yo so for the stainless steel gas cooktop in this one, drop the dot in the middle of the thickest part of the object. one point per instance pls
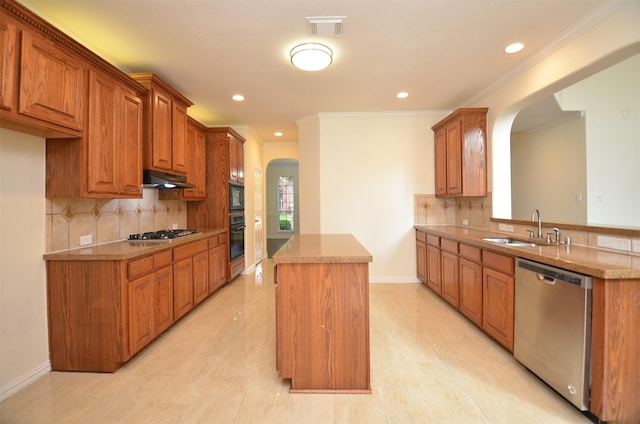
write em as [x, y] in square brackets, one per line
[160, 236]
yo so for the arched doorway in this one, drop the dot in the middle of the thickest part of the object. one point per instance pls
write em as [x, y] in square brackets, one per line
[282, 203]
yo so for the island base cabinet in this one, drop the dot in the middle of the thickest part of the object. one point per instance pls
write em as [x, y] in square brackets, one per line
[322, 327]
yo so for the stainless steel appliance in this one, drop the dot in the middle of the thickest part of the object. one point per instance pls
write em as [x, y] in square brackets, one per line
[552, 332]
[160, 236]
[236, 197]
[236, 235]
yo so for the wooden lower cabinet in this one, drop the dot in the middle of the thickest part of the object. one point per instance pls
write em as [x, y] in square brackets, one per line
[217, 262]
[433, 269]
[449, 272]
[141, 313]
[498, 303]
[471, 290]
[190, 276]
[102, 312]
[421, 256]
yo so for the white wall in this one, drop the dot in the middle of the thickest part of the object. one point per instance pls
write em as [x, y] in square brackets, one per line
[24, 350]
[556, 155]
[615, 38]
[368, 168]
[611, 101]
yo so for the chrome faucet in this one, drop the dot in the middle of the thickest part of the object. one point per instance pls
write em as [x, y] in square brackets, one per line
[535, 215]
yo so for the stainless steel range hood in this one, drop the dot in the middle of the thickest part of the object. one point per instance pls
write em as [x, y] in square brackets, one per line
[158, 179]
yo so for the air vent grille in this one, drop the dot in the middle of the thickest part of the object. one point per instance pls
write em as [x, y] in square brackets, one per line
[326, 26]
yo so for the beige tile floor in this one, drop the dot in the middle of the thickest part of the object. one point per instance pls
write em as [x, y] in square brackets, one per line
[217, 365]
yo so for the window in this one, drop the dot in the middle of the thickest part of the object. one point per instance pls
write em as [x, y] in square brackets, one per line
[285, 203]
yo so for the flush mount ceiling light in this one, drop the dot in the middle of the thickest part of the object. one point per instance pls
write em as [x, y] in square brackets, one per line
[514, 48]
[311, 56]
[238, 97]
[402, 95]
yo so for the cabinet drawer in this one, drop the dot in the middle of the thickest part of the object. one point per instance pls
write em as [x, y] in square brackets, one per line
[449, 245]
[433, 240]
[139, 267]
[421, 236]
[162, 259]
[471, 253]
[217, 240]
[188, 250]
[498, 262]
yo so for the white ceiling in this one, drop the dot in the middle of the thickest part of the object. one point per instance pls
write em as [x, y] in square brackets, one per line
[443, 52]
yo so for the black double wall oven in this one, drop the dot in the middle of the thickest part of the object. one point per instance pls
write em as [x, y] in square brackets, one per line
[237, 224]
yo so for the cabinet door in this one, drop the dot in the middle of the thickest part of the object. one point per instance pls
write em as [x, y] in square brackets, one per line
[179, 139]
[161, 138]
[182, 288]
[240, 161]
[141, 320]
[433, 269]
[200, 277]
[130, 144]
[102, 135]
[163, 299]
[498, 303]
[454, 158]
[196, 159]
[217, 267]
[450, 282]
[52, 83]
[233, 159]
[440, 165]
[471, 290]
[421, 260]
[8, 64]
[114, 138]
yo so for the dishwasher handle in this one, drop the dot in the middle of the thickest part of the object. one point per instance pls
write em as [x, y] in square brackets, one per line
[546, 279]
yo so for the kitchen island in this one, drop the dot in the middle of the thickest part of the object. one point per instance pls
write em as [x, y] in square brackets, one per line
[322, 314]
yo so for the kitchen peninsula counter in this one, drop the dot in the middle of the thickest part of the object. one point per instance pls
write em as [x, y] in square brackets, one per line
[600, 263]
[322, 314]
[615, 315]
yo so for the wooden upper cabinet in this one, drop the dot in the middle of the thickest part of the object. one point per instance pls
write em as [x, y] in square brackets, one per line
[107, 161]
[52, 82]
[165, 124]
[236, 159]
[196, 160]
[8, 63]
[114, 138]
[460, 147]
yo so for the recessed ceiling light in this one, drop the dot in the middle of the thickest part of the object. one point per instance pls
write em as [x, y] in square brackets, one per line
[238, 97]
[277, 134]
[514, 48]
[402, 95]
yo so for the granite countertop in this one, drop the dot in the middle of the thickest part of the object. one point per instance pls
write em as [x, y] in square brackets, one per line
[586, 260]
[322, 248]
[125, 249]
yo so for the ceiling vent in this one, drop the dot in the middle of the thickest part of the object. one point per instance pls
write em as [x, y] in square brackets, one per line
[326, 26]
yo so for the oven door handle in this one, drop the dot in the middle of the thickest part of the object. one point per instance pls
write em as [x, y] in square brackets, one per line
[237, 229]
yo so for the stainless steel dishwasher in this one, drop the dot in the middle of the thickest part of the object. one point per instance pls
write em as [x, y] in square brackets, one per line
[552, 330]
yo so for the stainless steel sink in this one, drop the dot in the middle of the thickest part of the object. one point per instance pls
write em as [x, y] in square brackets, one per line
[509, 242]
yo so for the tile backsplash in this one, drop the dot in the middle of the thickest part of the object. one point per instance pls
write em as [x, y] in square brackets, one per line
[107, 220]
[475, 212]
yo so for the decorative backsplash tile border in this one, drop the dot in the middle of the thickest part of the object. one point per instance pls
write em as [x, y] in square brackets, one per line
[107, 220]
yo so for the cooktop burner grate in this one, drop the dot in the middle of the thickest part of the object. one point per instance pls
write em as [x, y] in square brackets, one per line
[162, 235]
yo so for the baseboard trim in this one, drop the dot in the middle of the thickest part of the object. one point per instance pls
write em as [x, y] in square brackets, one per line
[21, 382]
